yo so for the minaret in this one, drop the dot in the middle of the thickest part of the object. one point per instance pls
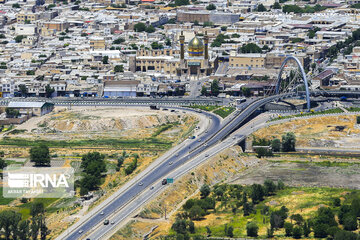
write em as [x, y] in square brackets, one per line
[182, 42]
[206, 43]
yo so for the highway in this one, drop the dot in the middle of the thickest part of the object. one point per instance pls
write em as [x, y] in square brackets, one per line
[89, 101]
[214, 134]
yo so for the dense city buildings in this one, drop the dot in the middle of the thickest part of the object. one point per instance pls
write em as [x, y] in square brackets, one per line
[77, 47]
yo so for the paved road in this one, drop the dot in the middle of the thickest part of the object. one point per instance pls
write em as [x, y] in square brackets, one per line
[170, 164]
[169, 101]
[215, 133]
[105, 232]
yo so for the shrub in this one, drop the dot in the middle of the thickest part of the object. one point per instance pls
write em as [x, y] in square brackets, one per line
[252, 229]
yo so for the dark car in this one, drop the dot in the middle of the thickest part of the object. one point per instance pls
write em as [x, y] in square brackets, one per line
[164, 181]
[106, 222]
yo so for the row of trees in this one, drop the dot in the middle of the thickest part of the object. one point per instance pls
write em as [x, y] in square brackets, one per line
[14, 228]
[287, 144]
[142, 27]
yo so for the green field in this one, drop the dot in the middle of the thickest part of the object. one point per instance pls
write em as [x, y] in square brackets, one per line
[224, 111]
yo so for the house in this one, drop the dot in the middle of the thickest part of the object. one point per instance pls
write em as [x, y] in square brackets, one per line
[123, 88]
[32, 108]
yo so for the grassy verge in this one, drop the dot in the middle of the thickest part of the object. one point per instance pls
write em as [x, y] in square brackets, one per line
[353, 109]
[329, 111]
[150, 143]
[164, 128]
[224, 111]
[208, 108]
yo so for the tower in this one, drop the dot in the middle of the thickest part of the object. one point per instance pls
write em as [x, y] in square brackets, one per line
[206, 43]
[182, 42]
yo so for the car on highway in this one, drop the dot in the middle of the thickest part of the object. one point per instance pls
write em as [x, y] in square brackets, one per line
[206, 155]
[199, 140]
[102, 213]
[152, 187]
[141, 183]
[164, 181]
[177, 154]
[106, 222]
[170, 163]
[81, 231]
[112, 222]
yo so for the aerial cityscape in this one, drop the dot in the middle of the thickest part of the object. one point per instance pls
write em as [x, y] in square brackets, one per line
[180, 119]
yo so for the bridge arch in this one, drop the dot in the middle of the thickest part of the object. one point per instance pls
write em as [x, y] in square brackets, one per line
[303, 77]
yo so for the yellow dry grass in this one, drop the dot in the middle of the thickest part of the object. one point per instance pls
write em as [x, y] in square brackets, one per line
[312, 129]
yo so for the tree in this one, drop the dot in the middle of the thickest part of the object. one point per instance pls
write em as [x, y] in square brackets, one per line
[196, 212]
[204, 191]
[263, 151]
[203, 91]
[276, 145]
[40, 155]
[24, 230]
[30, 72]
[16, 5]
[270, 187]
[156, 45]
[179, 226]
[297, 232]
[297, 218]
[248, 208]
[19, 38]
[344, 235]
[230, 232]
[350, 222]
[12, 113]
[246, 91]
[168, 42]
[139, 27]
[119, 68]
[23, 90]
[181, 2]
[261, 8]
[355, 207]
[49, 90]
[276, 5]
[320, 230]
[208, 24]
[250, 48]
[257, 193]
[210, 7]
[288, 229]
[215, 87]
[306, 229]
[223, 28]
[150, 29]
[337, 202]
[191, 227]
[119, 41]
[252, 229]
[105, 60]
[280, 184]
[270, 232]
[288, 142]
